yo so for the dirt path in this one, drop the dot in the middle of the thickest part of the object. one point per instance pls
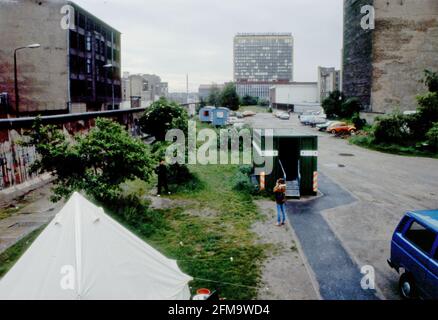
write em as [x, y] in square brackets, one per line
[34, 210]
[285, 275]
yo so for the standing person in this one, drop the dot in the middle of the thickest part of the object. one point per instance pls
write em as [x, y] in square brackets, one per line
[161, 171]
[280, 199]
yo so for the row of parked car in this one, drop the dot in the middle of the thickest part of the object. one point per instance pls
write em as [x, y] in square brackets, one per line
[319, 121]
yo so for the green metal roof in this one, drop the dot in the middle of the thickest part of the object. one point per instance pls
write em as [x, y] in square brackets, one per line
[285, 133]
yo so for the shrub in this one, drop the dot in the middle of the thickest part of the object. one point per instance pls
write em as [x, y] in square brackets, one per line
[392, 129]
[431, 80]
[246, 169]
[432, 137]
[242, 183]
[349, 108]
[248, 100]
[358, 122]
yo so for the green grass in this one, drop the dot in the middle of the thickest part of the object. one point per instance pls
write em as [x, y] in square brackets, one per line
[8, 212]
[12, 254]
[204, 245]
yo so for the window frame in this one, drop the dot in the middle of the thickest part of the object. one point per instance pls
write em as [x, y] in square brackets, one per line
[409, 227]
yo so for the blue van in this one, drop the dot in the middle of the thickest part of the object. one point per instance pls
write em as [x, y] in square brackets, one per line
[414, 254]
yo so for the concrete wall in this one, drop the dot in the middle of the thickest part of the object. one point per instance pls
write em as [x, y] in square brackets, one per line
[42, 73]
[405, 43]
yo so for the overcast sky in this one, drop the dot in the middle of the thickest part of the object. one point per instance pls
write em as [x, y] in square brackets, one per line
[174, 37]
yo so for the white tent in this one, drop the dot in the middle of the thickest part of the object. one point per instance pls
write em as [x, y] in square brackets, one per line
[85, 254]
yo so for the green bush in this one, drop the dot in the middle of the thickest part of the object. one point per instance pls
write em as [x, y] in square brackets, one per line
[432, 137]
[431, 80]
[358, 122]
[349, 108]
[246, 169]
[392, 129]
[242, 183]
[248, 100]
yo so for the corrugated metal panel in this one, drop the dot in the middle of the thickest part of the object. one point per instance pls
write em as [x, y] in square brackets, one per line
[309, 164]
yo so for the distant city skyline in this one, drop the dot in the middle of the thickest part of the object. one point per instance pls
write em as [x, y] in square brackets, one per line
[173, 38]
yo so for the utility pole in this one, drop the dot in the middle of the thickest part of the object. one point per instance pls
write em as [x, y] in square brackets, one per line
[187, 88]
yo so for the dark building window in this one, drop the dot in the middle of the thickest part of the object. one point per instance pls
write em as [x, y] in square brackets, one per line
[73, 40]
[81, 20]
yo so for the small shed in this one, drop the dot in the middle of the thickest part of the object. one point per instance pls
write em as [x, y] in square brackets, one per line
[220, 116]
[294, 157]
[206, 114]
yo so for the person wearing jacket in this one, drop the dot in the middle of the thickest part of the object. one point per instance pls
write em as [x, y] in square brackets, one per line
[280, 199]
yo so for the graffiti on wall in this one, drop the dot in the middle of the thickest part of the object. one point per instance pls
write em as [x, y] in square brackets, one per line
[15, 161]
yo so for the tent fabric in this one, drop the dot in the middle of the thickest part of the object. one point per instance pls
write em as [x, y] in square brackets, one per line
[83, 254]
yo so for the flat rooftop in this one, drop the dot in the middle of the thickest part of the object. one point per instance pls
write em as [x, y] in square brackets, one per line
[285, 133]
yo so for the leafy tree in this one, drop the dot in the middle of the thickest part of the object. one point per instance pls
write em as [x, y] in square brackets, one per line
[349, 108]
[333, 103]
[431, 80]
[229, 97]
[96, 163]
[263, 103]
[214, 96]
[248, 100]
[163, 116]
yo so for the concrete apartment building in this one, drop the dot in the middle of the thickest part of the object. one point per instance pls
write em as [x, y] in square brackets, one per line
[140, 90]
[329, 80]
[262, 60]
[75, 69]
[384, 66]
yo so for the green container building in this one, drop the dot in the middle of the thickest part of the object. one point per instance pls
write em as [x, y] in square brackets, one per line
[294, 157]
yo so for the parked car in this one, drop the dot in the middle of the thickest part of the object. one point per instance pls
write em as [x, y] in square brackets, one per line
[341, 128]
[284, 116]
[325, 125]
[414, 254]
[315, 120]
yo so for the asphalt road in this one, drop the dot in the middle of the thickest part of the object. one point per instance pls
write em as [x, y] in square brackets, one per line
[383, 187]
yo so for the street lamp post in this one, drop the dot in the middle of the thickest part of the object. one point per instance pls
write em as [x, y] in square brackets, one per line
[17, 96]
[112, 82]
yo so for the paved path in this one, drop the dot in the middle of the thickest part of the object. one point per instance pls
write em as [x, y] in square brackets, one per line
[337, 275]
[31, 217]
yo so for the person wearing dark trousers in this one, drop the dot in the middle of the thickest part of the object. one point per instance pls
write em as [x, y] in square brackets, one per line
[280, 199]
[161, 171]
